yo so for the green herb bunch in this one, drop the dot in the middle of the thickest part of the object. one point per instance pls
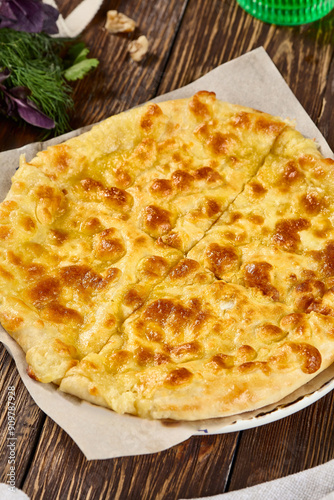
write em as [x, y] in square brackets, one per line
[42, 66]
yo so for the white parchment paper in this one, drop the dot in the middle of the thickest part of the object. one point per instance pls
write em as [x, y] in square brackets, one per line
[251, 80]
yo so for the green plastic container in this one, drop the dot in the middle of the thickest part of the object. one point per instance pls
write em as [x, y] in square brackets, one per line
[287, 12]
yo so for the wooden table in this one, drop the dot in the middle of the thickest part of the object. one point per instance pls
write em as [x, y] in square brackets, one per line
[187, 38]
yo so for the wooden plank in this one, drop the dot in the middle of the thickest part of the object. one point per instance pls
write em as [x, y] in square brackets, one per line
[28, 421]
[298, 442]
[186, 470]
[325, 119]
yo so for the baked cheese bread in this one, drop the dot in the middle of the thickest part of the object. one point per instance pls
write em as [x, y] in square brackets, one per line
[176, 261]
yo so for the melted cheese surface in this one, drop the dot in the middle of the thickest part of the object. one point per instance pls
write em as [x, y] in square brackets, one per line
[174, 262]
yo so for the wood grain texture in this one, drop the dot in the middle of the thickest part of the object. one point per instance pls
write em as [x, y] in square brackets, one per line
[28, 421]
[298, 442]
[186, 470]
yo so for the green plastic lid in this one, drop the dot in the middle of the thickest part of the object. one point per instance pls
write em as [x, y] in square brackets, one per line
[287, 12]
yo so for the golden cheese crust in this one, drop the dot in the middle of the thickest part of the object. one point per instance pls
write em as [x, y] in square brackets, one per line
[174, 262]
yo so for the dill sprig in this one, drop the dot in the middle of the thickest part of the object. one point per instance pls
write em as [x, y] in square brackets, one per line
[34, 61]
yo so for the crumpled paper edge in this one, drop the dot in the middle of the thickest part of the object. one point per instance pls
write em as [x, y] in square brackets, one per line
[140, 436]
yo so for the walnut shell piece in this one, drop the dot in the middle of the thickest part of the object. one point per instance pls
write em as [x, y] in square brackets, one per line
[119, 23]
[138, 48]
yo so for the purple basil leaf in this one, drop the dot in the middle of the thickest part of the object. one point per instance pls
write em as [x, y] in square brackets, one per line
[20, 92]
[50, 17]
[10, 106]
[5, 10]
[4, 75]
[29, 112]
[28, 15]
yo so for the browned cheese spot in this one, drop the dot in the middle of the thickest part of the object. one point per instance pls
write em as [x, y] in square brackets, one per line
[91, 225]
[157, 220]
[133, 299]
[144, 356]
[184, 268]
[312, 204]
[200, 108]
[122, 178]
[192, 348]
[58, 237]
[58, 313]
[309, 356]
[178, 377]
[27, 223]
[212, 208]
[165, 313]
[107, 246]
[161, 187]
[326, 259]
[110, 321]
[251, 366]
[89, 184]
[221, 259]
[257, 188]
[270, 333]
[235, 216]
[113, 274]
[93, 391]
[10, 321]
[220, 143]
[62, 157]
[117, 198]
[290, 175]
[256, 219]
[34, 271]
[246, 353]
[154, 267]
[120, 358]
[6, 207]
[49, 196]
[266, 125]
[32, 374]
[89, 365]
[257, 275]
[80, 277]
[207, 174]
[6, 274]
[45, 291]
[242, 120]
[182, 180]
[152, 333]
[308, 292]
[292, 321]
[222, 361]
[286, 233]
[5, 232]
[172, 239]
[152, 113]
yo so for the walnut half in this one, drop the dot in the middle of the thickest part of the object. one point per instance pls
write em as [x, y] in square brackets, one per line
[138, 48]
[119, 23]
